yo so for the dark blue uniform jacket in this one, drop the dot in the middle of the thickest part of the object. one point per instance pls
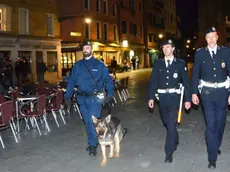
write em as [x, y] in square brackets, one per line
[163, 78]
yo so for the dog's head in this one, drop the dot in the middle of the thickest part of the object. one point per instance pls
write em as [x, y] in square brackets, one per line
[101, 126]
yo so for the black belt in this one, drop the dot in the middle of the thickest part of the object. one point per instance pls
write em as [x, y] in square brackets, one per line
[86, 94]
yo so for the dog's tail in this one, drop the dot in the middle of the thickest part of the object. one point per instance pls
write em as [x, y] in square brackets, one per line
[124, 131]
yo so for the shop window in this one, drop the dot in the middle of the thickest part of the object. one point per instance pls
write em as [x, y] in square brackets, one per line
[52, 62]
[68, 60]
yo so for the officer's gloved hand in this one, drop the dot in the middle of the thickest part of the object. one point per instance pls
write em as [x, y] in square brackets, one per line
[108, 99]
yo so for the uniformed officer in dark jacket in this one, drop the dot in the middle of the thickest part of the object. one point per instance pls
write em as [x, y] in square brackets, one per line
[167, 74]
[210, 77]
[91, 77]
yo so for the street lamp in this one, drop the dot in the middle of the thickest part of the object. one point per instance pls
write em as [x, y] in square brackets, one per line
[188, 41]
[88, 20]
[187, 46]
[160, 36]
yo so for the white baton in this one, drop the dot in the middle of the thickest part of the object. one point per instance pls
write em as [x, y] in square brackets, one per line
[181, 102]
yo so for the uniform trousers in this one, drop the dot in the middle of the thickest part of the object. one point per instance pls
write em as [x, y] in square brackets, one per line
[88, 107]
[169, 117]
[214, 102]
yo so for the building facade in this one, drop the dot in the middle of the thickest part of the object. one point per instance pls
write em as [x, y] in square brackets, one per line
[115, 27]
[216, 14]
[154, 29]
[124, 29]
[170, 19]
[132, 31]
[94, 20]
[31, 29]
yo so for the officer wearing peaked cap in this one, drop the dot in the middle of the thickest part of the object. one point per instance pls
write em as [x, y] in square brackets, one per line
[92, 79]
[210, 78]
[166, 76]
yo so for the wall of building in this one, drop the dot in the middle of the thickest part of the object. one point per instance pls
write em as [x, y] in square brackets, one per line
[36, 40]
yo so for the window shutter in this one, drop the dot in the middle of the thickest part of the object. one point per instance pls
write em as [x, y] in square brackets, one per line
[4, 18]
[19, 20]
[8, 19]
[27, 20]
[54, 20]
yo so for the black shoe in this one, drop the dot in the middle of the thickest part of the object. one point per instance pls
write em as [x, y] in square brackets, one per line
[219, 152]
[212, 164]
[169, 158]
[87, 149]
[92, 150]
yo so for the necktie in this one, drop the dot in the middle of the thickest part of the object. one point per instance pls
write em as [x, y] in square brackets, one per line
[213, 55]
[168, 63]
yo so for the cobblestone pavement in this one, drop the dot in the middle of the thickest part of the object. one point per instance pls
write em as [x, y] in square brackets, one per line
[142, 149]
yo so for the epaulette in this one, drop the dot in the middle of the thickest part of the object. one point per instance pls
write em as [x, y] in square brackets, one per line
[181, 60]
[199, 49]
[162, 59]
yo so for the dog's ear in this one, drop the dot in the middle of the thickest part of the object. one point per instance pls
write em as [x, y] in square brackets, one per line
[108, 118]
[94, 119]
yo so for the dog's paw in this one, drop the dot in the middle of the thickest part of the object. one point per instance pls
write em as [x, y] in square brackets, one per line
[117, 155]
[103, 163]
[111, 156]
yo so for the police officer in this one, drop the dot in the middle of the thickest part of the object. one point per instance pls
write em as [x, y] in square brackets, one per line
[165, 79]
[90, 76]
[209, 77]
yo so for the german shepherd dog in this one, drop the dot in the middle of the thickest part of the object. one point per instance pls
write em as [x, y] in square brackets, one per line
[109, 133]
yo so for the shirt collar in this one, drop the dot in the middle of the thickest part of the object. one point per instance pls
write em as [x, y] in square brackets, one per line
[212, 49]
[171, 59]
[88, 58]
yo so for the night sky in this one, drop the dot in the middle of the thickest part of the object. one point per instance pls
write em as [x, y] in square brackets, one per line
[187, 11]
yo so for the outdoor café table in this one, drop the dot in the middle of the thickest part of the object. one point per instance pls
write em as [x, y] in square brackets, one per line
[22, 100]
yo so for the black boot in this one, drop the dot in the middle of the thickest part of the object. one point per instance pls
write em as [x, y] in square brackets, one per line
[169, 158]
[219, 152]
[212, 164]
[92, 150]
